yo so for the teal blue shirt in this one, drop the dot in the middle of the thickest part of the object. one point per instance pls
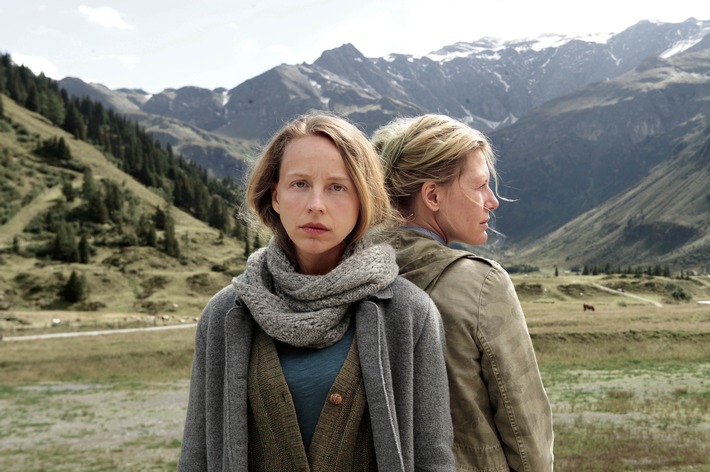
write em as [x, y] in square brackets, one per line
[310, 374]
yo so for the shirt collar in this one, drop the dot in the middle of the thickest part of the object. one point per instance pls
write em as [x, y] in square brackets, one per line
[427, 232]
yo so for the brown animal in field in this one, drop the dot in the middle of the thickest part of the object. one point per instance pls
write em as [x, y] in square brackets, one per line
[588, 307]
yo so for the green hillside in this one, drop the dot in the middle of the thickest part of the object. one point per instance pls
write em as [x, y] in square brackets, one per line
[662, 220]
[145, 261]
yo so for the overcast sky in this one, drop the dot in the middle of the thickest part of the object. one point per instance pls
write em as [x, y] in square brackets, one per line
[158, 44]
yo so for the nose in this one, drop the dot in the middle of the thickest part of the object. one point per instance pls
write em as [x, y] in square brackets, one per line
[492, 202]
[315, 203]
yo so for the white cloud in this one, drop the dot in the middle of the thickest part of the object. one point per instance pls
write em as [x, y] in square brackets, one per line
[38, 64]
[129, 62]
[104, 16]
[248, 46]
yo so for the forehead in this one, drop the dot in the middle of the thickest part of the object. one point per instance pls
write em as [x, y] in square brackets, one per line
[312, 153]
[475, 164]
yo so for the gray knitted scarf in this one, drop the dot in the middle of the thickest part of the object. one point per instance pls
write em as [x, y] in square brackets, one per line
[311, 310]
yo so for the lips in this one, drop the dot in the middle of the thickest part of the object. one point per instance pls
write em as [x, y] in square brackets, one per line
[314, 228]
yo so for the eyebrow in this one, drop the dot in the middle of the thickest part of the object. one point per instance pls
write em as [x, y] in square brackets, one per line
[335, 178]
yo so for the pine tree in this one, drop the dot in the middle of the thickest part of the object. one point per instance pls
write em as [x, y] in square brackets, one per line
[96, 210]
[88, 188]
[2, 79]
[74, 122]
[68, 191]
[217, 217]
[84, 249]
[63, 151]
[201, 203]
[54, 109]
[113, 200]
[76, 288]
[160, 219]
[32, 102]
[152, 237]
[172, 247]
[64, 246]
[14, 87]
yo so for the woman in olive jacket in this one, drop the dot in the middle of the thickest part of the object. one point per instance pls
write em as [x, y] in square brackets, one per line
[437, 173]
[319, 357]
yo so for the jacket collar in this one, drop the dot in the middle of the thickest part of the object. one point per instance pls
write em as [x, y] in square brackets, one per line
[422, 259]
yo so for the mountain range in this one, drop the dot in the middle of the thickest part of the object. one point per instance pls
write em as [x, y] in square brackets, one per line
[587, 130]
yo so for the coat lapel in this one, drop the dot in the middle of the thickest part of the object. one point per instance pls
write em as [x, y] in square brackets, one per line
[239, 330]
[377, 376]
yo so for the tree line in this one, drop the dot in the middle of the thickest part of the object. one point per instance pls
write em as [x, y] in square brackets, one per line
[651, 270]
[185, 184]
[106, 211]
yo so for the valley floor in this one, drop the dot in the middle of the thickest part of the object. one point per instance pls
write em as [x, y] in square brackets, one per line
[627, 383]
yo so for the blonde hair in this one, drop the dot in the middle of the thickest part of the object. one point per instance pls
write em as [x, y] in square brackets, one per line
[426, 148]
[361, 161]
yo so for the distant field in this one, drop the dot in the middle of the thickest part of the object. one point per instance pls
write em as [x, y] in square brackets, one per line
[628, 384]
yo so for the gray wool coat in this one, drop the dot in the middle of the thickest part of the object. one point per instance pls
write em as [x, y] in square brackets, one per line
[400, 340]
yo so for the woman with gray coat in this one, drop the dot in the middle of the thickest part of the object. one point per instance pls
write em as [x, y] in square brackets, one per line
[319, 357]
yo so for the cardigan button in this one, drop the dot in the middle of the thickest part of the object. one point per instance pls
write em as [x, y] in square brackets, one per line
[336, 399]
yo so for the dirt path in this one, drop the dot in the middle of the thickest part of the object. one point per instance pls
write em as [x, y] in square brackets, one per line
[18, 222]
[610, 290]
[96, 333]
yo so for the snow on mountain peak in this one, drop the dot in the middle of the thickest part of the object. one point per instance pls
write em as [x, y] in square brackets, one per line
[488, 47]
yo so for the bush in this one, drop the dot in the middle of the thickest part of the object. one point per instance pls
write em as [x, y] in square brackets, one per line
[678, 293]
[76, 288]
[522, 269]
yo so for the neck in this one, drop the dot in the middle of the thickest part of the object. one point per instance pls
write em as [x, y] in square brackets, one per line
[426, 230]
[321, 263]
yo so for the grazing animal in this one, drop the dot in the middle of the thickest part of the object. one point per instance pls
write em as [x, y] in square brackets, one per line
[588, 307]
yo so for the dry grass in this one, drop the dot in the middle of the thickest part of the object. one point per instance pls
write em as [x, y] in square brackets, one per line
[130, 357]
[628, 385]
[627, 382]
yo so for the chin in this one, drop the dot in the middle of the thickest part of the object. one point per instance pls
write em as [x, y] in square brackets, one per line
[478, 241]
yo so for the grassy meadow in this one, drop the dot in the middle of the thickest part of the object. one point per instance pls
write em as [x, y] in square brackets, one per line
[629, 383]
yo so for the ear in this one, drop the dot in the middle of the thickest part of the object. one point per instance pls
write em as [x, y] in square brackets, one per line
[431, 195]
[275, 198]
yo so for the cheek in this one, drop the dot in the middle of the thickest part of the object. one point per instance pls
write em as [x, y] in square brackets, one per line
[348, 205]
[275, 198]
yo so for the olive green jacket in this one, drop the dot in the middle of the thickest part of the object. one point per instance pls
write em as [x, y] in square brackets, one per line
[500, 410]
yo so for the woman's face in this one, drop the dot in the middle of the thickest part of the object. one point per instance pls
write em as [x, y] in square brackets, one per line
[317, 202]
[466, 203]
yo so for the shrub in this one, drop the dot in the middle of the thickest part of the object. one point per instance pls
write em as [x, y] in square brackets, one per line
[76, 288]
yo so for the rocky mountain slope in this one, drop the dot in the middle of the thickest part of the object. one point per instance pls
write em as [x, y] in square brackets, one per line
[577, 123]
[487, 83]
[576, 152]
